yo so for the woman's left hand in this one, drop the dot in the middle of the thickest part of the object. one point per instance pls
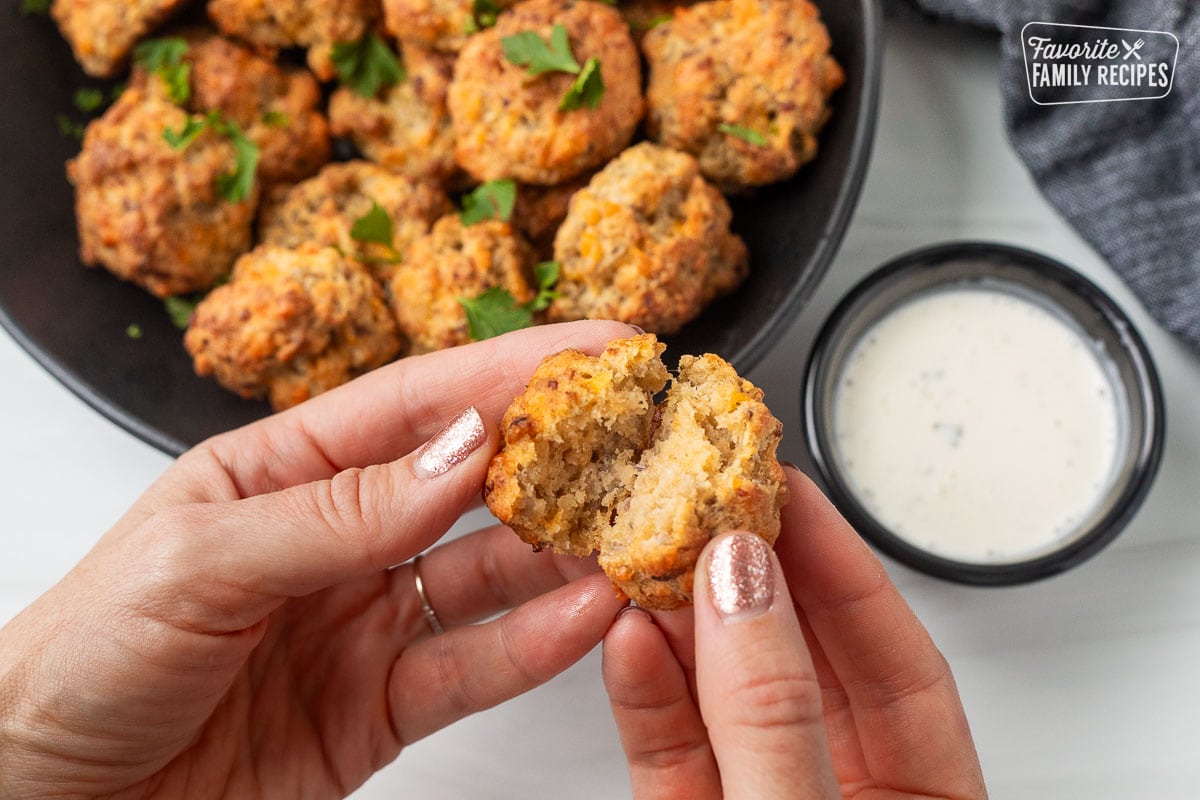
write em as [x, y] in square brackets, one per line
[239, 632]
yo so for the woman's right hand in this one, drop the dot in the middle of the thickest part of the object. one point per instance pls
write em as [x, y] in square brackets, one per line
[800, 673]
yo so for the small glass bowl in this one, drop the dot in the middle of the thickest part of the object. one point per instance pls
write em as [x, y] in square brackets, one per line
[1052, 285]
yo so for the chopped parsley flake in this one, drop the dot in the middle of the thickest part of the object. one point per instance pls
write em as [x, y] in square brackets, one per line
[376, 227]
[496, 311]
[651, 23]
[164, 58]
[483, 15]
[69, 128]
[367, 65]
[491, 200]
[180, 309]
[275, 119]
[237, 185]
[587, 90]
[527, 49]
[538, 55]
[187, 134]
[88, 99]
[234, 186]
[745, 134]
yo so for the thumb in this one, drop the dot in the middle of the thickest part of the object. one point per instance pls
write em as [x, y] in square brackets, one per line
[226, 565]
[759, 694]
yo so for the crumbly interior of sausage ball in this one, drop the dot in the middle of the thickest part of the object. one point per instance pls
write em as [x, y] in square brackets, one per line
[712, 468]
[571, 443]
[589, 464]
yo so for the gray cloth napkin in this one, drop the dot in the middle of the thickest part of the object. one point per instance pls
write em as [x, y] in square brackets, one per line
[1126, 175]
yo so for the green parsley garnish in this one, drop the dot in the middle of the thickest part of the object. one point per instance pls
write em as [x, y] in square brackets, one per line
[275, 119]
[164, 58]
[234, 186]
[180, 309]
[367, 65]
[187, 134]
[546, 274]
[496, 311]
[69, 128]
[133, 331]
[88, 99]
[587, 90]
[745, 134]
[491, 200]
[376, 227]
[483, 15]
[237, 185]
[31, 7]
[651, 23]
[527, 49]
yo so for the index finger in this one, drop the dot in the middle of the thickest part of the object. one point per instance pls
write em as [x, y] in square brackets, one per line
[895, 678]
[385, 414]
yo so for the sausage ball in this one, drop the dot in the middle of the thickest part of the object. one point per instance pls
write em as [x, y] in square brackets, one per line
[588, 463]
[275, 106]
[292, 324]
[152, 214]
[323, 209]
[571, 443]
[103, 32]
[507, 123]
[743, 85]
[456, 261]
[407, 128]
[275, 24]
[712, 468]
[435, 24]
[646, 242]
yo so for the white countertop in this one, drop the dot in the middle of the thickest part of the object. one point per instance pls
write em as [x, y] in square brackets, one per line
[1081, 686]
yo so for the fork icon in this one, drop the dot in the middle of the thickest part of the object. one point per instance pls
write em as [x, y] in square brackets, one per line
[1132, 50]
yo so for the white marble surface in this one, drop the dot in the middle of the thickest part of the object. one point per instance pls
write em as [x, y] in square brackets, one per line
[1082, 686]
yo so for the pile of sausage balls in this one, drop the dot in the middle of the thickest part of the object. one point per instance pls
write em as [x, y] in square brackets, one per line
[620, 164]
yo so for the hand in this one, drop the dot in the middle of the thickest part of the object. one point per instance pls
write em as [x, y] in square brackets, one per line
[821, 683]
[239, 632]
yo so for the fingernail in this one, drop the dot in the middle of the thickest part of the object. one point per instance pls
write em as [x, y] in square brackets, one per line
[462, 436]
[637, 328]
[790, 464]
[741, 581]
[632, 611]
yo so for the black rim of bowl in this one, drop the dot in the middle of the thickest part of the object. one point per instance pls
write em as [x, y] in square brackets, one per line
[1147, 451]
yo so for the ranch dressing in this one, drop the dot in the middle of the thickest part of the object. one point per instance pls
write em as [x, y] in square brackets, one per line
[976, 424]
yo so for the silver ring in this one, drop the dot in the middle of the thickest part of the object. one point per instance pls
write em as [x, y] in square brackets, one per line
[430, 615]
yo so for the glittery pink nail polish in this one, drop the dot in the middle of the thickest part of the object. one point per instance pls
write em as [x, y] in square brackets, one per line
[741, 580]
[451, 445]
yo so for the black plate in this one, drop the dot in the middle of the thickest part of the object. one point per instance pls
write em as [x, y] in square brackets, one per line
[74, 320]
